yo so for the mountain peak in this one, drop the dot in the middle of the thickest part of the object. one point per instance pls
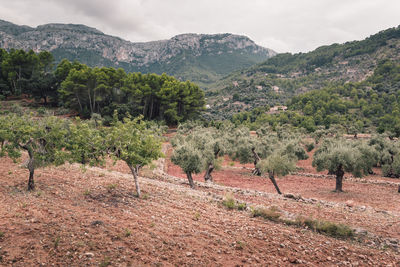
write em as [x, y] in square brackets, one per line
[69, 27]
[202, 58]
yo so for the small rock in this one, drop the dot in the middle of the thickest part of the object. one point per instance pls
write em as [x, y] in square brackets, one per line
[188, 254]
[360, 231]
[96, 223]
[282, 245]
[89, 254]
[350, 203]
[329, 258]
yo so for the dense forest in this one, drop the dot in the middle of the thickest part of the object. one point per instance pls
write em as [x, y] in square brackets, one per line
[356, 106]
[86, 90]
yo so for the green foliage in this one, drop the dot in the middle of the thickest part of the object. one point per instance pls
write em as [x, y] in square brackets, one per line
[27, 72]
[98, 90]
[310, 146]
[102, 90]
[44, 140]
[86, 143]
[271, 214]
[188, 157]
[197, 147]
[339, 156]
[44, 137]
[130, 140]
[329, 228]
[230, 203]
[277, 164]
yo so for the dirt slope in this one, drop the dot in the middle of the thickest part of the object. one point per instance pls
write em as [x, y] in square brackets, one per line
[94, 219]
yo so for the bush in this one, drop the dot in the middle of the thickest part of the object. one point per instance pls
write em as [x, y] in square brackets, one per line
[329, 228]
[271, 213]
[310, 147]
[62, 111]
[17, 109]
[230, 203]
[41, 111]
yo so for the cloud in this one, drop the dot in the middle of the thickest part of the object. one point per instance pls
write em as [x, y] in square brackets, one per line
[283, 25]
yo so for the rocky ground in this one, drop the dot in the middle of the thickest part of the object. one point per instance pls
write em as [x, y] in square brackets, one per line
[93, 218]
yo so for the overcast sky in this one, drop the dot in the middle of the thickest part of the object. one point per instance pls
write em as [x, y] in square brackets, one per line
[283, 25]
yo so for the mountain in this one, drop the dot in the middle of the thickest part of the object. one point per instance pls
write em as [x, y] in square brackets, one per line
[202, 58]
[277, 79]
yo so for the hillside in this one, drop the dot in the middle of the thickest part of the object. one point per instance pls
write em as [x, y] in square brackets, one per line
[201, 58]
[279, 78]
[93, 218]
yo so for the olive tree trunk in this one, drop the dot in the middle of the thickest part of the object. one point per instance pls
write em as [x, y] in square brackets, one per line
[257, 158]
[207, 175]
[135, 173]
[339, 179]
[31, 182]
[211, 167]
[190, 178]
[31, 164]
[272, 178]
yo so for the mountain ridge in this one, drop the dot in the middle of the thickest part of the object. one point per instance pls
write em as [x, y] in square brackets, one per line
[207, 56]
[276, 80]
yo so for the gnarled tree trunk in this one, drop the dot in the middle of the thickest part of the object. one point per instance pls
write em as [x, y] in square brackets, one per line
[257, 158]
[31, 182]
[272, 178]
[31, 164]
[339, 179]
[207, 175]
[190, 178]
[211, 167]
[135, 173]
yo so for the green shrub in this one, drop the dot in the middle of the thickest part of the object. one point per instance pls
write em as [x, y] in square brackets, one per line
[127, 232]
[62, 111]
[17, 109]
[241, 206]
[329, 228]
[41, 111]
[271, 213]
[310, 147]
[229, 202]
[335, 230]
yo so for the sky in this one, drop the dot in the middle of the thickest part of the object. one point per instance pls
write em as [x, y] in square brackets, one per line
[282, 25]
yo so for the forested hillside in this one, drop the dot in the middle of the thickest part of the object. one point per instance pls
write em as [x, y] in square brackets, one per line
[78, 88]
[279, 78]
[367, 106]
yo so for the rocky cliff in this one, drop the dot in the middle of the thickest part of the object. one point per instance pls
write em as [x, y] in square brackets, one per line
[202, 58]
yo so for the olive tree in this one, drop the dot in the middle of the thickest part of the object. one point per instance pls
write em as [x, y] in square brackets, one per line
[198, 149]
[248, 148]
[340, 156]
[187, 156]
[277, 164]
[86, 142]
[215, 146]
[388, 155]
[43, 139]
[132, 141]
